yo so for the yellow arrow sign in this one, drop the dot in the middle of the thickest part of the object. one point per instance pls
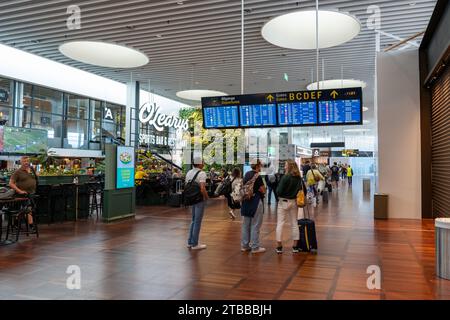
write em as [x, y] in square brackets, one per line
[334, 94]
[270, 98]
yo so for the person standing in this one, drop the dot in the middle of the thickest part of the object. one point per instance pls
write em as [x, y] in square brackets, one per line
[252, 210]
[312, 178]
[349, 175]
[199, 176]
[272, 183]
[235, 183]
[287, 190]
[24, 181]
[335, 175]
[306, 167]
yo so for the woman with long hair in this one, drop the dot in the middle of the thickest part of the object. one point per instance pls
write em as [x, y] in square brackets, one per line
[235, 182]
[291, 183]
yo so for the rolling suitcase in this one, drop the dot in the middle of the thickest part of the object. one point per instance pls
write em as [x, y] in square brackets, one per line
[176, 199]
[325, 196]
[329, 187]
[308, 240]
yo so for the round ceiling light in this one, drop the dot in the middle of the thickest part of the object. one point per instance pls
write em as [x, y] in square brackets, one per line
[297, 30]
[337, 83]
[103, 54]
[197, 94]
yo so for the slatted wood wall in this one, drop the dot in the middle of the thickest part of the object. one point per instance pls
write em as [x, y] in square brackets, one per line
[440, 145]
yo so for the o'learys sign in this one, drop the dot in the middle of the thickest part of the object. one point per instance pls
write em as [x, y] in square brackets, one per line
[149, 113]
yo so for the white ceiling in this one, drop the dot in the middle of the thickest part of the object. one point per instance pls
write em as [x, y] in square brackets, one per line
[197, 44]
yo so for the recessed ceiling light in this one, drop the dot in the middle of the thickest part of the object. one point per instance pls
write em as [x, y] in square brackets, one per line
[365, 109]
[180, 2]
[159, 35]
[366, 121]
[93, 52]
[337, 83]
[297, 30]
[198, 94]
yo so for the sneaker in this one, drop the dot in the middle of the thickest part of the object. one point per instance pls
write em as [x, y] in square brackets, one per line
[232, 215]
[259, 250]
[189, 246]
[295, 249]
[279, 250]
[246, 249]
[199, 247]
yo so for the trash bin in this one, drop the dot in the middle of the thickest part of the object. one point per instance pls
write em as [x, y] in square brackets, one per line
[442, 235]
[366, 185]
[380, 202]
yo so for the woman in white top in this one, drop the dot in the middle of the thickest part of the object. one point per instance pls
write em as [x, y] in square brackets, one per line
[236, 184]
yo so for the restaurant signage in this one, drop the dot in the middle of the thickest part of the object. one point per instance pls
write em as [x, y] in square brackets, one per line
[151, 114]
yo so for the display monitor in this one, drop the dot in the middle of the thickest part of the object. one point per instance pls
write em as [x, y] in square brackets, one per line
[340, 111]
[220, 117]
[258, 115]
[297, 113]
[24, 140]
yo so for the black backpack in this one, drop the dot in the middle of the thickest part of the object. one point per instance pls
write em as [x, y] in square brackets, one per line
[226, 187]
[192, 192]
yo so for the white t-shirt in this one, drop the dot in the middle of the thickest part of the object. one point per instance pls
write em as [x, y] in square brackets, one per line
[201, 177]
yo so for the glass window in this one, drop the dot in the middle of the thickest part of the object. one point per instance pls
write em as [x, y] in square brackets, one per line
[6, 115]
[96, 131]
[6, 92]
[47, 100]
[96, 110]
[52, 123]
[114, 121]
[76, 134]
[78, 107]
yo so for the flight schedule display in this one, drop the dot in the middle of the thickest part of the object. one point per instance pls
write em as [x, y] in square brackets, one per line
[283, 109]
[258, 115]
[221, 117]
[340, 112]
[298, 113]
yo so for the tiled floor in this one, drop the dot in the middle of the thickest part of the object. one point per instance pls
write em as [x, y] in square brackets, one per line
[146, 258]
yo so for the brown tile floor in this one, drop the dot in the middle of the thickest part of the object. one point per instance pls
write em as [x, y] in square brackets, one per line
[146, 258]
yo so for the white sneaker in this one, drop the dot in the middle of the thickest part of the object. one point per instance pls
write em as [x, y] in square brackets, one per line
[199, 247]
[244, 249]
[259, 250]
[232, 215]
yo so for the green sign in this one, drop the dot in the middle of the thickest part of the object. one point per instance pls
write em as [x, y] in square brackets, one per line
[125, 167]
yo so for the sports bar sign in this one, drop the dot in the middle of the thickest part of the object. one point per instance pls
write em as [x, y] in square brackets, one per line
[284, 109]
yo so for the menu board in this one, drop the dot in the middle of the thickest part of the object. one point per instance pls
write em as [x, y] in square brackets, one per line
[125, 167]
[340, 111]
[298, 113]
[258, 115]
[295, 108]
[221, 117]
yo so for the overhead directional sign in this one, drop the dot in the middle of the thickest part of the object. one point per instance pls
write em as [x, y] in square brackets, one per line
[283, 109]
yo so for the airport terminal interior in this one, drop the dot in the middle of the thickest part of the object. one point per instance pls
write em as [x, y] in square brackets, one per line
[225, 150]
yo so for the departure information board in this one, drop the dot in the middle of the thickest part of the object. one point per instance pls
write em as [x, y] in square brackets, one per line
[295, 108]
[298, 113]
[258, 115]
[221, 117]
[340, 112]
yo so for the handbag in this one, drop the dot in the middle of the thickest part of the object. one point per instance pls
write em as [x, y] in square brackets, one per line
[301, 198]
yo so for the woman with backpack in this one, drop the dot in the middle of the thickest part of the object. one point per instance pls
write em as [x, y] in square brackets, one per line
[312, 179]
[252, 209]
[233, 187]
[288, 188]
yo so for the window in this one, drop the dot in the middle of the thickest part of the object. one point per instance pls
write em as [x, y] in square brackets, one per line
[78, 107]
[114, 121]
[96, 110]
[6, 92]
[47, 100]
[76, 134]
[53, 124]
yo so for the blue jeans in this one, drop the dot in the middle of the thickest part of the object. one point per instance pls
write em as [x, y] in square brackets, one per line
[251, 227]
[197, 216]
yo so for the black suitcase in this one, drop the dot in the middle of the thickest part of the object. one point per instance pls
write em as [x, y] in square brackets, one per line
[329, 187]
[176, 199]
[308, 240]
